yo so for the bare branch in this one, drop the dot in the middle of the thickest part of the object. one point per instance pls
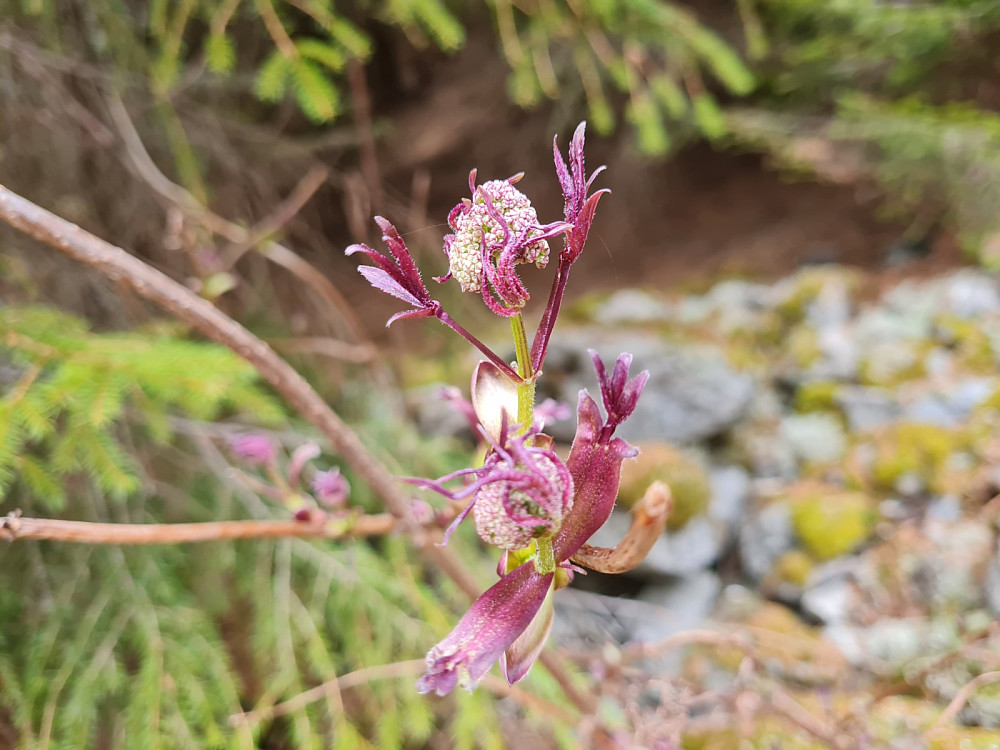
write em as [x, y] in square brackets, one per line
[14, 527]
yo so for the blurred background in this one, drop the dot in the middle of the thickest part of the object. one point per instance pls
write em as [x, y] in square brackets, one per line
[801, 245]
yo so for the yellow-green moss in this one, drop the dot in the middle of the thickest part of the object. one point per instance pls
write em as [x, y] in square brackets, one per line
[921, 450]
[830, 525]
[970, 341]
[794, 567]
[803, 346]
[817, 396]
[686, 478]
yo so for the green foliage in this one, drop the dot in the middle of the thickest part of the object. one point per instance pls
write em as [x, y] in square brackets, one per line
[863, 89]
[654, 53]
[160, 646]
[64, 410]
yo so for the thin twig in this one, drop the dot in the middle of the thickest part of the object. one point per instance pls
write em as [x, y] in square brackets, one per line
[349, 680]
[361, 99]
[325, 347]
[234, 233]
[287, 210]
[649, 520]
[14, 527]
[957, 703]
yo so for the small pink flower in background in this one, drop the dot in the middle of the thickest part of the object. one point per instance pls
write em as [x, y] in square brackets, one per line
[551, 410]
[331, 488]
[254, 449]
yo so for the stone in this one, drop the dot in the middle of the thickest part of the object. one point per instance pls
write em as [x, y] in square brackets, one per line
[679, 605]
[765, 536]
[816, 436]
[631, 306]
[867, 407]
[971, 294]
[730, 487]
[693, 393]
[698, 545]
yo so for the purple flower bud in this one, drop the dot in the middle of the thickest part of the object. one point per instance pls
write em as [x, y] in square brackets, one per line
[421, 513]
[331, 488]
[255, 449]
[300, 457]
[551, 410]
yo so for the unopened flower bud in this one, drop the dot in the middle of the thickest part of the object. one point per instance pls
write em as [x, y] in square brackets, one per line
[331, 488]
[255, 449]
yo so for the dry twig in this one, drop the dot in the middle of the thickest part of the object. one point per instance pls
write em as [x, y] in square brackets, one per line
[14, 527]
[650, 519]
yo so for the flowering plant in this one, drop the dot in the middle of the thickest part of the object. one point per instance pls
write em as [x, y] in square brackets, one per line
[537, 508]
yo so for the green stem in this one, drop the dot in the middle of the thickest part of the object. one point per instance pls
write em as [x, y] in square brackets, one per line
[526, 390]
[545, 560]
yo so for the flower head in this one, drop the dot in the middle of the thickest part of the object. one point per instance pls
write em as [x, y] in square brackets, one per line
[526, 492]
[494, 232]
[254, 449]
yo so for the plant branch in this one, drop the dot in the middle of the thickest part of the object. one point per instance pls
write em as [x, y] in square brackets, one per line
[14, 527]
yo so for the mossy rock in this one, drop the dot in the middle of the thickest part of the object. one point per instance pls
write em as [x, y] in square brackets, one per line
[920, 450]
[686, 477]
[820, 395]
[803, 346]
[794, 567]
[830, 522]
[970, 342]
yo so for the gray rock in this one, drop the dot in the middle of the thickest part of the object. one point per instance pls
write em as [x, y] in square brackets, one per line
[631, 306]
[830, 592]
[689, 550]
[867, 408]
[730, 491]
[677, 606]
[838, 355]
[814, 437]
[829, 601]
[765, 535]
[950, 408]
[971, 294]
[692, 394]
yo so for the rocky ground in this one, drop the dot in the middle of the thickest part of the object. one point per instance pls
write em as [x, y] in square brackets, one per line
[834, 462]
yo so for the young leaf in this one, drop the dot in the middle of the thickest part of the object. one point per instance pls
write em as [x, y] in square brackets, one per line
[272, 78]
[316, 96]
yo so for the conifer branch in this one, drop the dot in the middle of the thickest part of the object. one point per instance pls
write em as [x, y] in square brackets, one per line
[14, 527]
